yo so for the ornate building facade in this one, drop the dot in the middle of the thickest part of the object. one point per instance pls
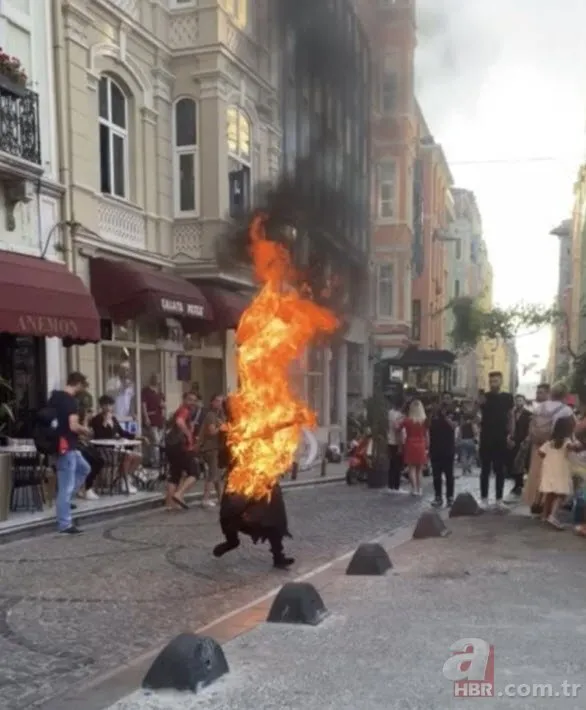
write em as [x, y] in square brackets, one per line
[172, 119]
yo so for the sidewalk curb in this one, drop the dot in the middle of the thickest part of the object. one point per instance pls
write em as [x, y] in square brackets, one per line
[128, 507]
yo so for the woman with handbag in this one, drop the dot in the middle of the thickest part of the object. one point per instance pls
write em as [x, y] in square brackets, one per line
[181, 452]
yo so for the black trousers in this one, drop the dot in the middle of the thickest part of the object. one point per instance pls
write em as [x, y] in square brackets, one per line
[395, 467]
[493, 458]
[441, 466]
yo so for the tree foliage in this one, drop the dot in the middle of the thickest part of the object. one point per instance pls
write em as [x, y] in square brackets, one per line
[472, 323]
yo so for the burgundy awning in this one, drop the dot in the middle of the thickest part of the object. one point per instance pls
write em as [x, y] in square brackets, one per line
[127, 291]
[228, 306]
[43, 298]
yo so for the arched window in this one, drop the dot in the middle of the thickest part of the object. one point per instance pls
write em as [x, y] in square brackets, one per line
[186, 182]
[113, 108]
[239, 159]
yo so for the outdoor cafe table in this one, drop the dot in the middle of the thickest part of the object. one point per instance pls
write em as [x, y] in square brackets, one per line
[117, 447]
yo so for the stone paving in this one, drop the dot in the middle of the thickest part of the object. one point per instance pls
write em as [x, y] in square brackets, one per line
[511, 581]
[72, 608]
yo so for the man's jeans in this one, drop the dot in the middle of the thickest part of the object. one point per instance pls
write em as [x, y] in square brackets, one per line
[467, 454]
[72, 470]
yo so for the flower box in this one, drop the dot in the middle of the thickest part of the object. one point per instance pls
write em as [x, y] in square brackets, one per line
[11, 86]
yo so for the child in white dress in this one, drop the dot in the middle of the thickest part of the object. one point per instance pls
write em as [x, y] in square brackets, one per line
[556, 473]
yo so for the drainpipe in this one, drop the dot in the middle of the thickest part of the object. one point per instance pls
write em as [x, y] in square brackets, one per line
[61, 62]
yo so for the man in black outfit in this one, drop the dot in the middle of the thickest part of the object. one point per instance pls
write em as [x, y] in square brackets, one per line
[442, 450]
[496, 437]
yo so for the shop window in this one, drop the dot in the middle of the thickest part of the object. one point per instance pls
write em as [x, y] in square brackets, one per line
[119, 380]
[186, 158]
[239, 160]
[113, 129]
[124, 332]
[149, 333]
[315, 381]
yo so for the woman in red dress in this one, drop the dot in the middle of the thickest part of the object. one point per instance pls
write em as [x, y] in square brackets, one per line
[416, 444]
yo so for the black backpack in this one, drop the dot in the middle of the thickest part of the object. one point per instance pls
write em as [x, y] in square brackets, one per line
[46, 431]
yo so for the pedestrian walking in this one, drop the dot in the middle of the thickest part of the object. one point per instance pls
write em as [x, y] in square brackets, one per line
[72, 468]
[550, 406]
[467, 432]
[442, 450]
[395, 446]
[210, 443]
[180, 447]
[496, 437]
[556, 474]
[515, 465]
[416, 443]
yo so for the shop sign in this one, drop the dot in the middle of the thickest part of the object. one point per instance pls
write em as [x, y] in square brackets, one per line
[47, 326]
[189, 310]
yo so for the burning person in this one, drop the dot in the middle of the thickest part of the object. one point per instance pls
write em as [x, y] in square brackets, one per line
[266, 417]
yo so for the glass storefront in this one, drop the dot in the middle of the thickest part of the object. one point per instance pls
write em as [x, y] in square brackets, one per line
[23, 374]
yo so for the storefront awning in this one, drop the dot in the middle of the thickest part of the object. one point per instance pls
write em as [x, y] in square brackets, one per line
[43, 298]
[228, 306]
[126, 291]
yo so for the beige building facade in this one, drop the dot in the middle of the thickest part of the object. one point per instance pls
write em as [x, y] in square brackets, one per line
[168, 119]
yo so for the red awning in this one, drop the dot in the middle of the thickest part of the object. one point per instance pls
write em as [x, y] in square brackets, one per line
[127, 291]
[43, 298]
[228, 306]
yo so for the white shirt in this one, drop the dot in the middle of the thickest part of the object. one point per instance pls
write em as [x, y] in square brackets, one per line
[393, 436]
[122, 395]
[559, 410]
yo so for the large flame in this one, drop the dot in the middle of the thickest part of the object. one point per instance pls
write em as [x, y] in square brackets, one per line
[274, 331]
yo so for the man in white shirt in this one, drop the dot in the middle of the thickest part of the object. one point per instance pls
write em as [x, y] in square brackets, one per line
[395, 445]
[121, 389]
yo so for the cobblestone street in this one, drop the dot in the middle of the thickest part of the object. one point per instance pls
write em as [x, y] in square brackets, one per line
[73, 608]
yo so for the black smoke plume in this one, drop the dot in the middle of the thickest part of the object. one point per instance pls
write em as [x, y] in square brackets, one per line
[302, 210]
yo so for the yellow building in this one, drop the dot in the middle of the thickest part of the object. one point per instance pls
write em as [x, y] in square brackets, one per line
[577, 325]
[491, 355]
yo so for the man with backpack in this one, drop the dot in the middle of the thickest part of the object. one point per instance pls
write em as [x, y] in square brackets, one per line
[57, 433]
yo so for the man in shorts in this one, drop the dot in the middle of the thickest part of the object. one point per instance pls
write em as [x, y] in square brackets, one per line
[209, 438]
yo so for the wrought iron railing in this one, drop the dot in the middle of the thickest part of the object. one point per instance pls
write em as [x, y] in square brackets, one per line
[19, 124]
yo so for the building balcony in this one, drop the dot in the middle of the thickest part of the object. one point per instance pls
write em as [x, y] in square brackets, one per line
[20, 145]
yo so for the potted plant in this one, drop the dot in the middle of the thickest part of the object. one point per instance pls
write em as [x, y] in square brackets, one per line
[13, 77]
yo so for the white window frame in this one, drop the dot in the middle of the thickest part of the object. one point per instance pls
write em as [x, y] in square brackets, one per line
[178, 151]
[388, 312]
[393, 202]
[237, 155]
[115, 130]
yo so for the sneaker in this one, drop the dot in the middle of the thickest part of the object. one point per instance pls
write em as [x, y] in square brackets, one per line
[449, 502]
[283, 562]
[208, 504]
[484, 503]
[514, 496]
[501, 507]
[437, 503]
[71, 530]
[128, 487]
[554, 522]
[91, 495]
